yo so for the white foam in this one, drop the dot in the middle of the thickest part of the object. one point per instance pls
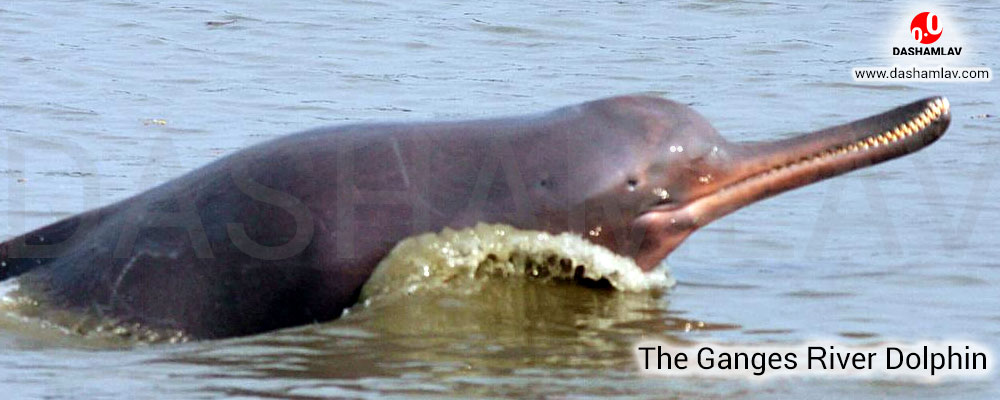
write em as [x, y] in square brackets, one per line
[451, 257]
[7, 292]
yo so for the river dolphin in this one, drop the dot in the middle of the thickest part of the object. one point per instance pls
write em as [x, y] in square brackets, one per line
[286, 232]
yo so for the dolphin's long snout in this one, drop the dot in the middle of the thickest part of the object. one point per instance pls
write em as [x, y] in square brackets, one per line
[764, 169]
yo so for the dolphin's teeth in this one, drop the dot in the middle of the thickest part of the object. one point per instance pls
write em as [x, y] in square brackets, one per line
[902, 131]
[944, 104]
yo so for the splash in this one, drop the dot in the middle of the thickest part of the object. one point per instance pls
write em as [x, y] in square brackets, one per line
[461, 259]
[22, 310]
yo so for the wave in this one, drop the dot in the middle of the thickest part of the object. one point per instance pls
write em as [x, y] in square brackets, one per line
[460, 260]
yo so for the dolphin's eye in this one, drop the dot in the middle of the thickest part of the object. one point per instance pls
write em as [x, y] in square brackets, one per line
[545, 183]
[632, 184]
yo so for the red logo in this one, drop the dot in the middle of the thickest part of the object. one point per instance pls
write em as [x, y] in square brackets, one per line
[926, 28]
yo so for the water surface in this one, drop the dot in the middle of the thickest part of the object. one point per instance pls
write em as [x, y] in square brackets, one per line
[101, 100]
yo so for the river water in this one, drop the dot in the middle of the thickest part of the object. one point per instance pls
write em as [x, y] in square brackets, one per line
[101, 100]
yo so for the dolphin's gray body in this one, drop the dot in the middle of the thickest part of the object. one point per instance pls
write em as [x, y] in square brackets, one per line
[286, 232]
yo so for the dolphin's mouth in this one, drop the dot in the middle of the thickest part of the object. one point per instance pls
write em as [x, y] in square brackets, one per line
[768, 168]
